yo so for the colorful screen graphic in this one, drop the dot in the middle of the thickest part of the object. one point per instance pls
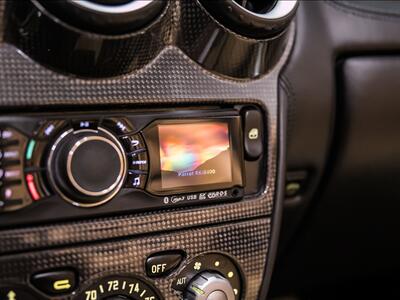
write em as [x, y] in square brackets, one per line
[194, 154]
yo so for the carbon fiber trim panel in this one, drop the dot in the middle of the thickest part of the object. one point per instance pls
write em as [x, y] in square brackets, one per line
[170, 78]
[247, 242]
[15, 240]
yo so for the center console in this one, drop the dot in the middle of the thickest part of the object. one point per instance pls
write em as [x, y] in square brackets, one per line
[142, 148]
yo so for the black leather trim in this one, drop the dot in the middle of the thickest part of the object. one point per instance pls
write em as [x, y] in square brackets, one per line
[327, 32]
[384, 9]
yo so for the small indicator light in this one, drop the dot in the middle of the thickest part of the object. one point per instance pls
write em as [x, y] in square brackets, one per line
[29, 149]
[32, 187]
[230, 274]
[217, 263]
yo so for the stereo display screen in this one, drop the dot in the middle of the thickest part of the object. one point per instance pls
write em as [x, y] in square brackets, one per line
[193, 154]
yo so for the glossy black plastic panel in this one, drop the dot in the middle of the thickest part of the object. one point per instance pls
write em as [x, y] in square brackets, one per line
[104, 17]
[223, 51]
[352, 216]
[185, 24]
[67, 49]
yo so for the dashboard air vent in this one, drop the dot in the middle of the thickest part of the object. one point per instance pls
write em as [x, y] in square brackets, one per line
[258, 19]
[258, 6]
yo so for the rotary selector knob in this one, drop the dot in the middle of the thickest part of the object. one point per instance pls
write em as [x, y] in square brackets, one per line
[209, 286]
[87, 167]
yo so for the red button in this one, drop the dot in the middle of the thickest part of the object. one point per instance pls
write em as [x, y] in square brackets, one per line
[32, 187]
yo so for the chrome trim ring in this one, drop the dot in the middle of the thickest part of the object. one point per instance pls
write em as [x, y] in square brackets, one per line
[60, 192]
[71, 175]
[113, 9]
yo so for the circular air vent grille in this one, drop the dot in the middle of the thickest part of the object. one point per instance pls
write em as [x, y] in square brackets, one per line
[253, 18]
[257, 6]
[105, 16]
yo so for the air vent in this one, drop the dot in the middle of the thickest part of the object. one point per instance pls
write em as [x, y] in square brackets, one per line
[258, 6]
[105, 16]
[259, 19]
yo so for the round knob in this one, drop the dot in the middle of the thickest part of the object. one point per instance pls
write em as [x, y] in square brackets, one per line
[209, 286]
[87, 167]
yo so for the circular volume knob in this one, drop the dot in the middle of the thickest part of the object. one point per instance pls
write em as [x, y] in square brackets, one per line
[87, 167]
[209, 286]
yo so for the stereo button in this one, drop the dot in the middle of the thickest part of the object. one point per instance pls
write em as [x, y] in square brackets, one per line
[33, 191]
[11, 174]
[133, 143]
[84, 124]
[136, 180]
[138, 161]
[10, 154]
[11, 198]
[50, 128]
[9, 136]
[120, 126]
[253, 131]
[55, 283]
[12, 192]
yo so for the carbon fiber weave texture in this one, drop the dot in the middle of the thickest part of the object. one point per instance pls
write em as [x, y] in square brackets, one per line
[244, 241]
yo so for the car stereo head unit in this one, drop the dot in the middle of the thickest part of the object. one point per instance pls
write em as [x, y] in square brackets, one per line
[138, 160]
[194, 155]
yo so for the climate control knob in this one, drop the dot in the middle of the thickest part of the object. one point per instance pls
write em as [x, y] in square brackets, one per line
[209, 286]
[87, 167]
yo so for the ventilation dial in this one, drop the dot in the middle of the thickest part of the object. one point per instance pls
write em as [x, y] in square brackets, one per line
[209, 286]
[87, 167]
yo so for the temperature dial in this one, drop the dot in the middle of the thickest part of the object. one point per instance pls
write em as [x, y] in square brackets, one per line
[117, 287]
[210, 276]
[209, 286]
[87, 167]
